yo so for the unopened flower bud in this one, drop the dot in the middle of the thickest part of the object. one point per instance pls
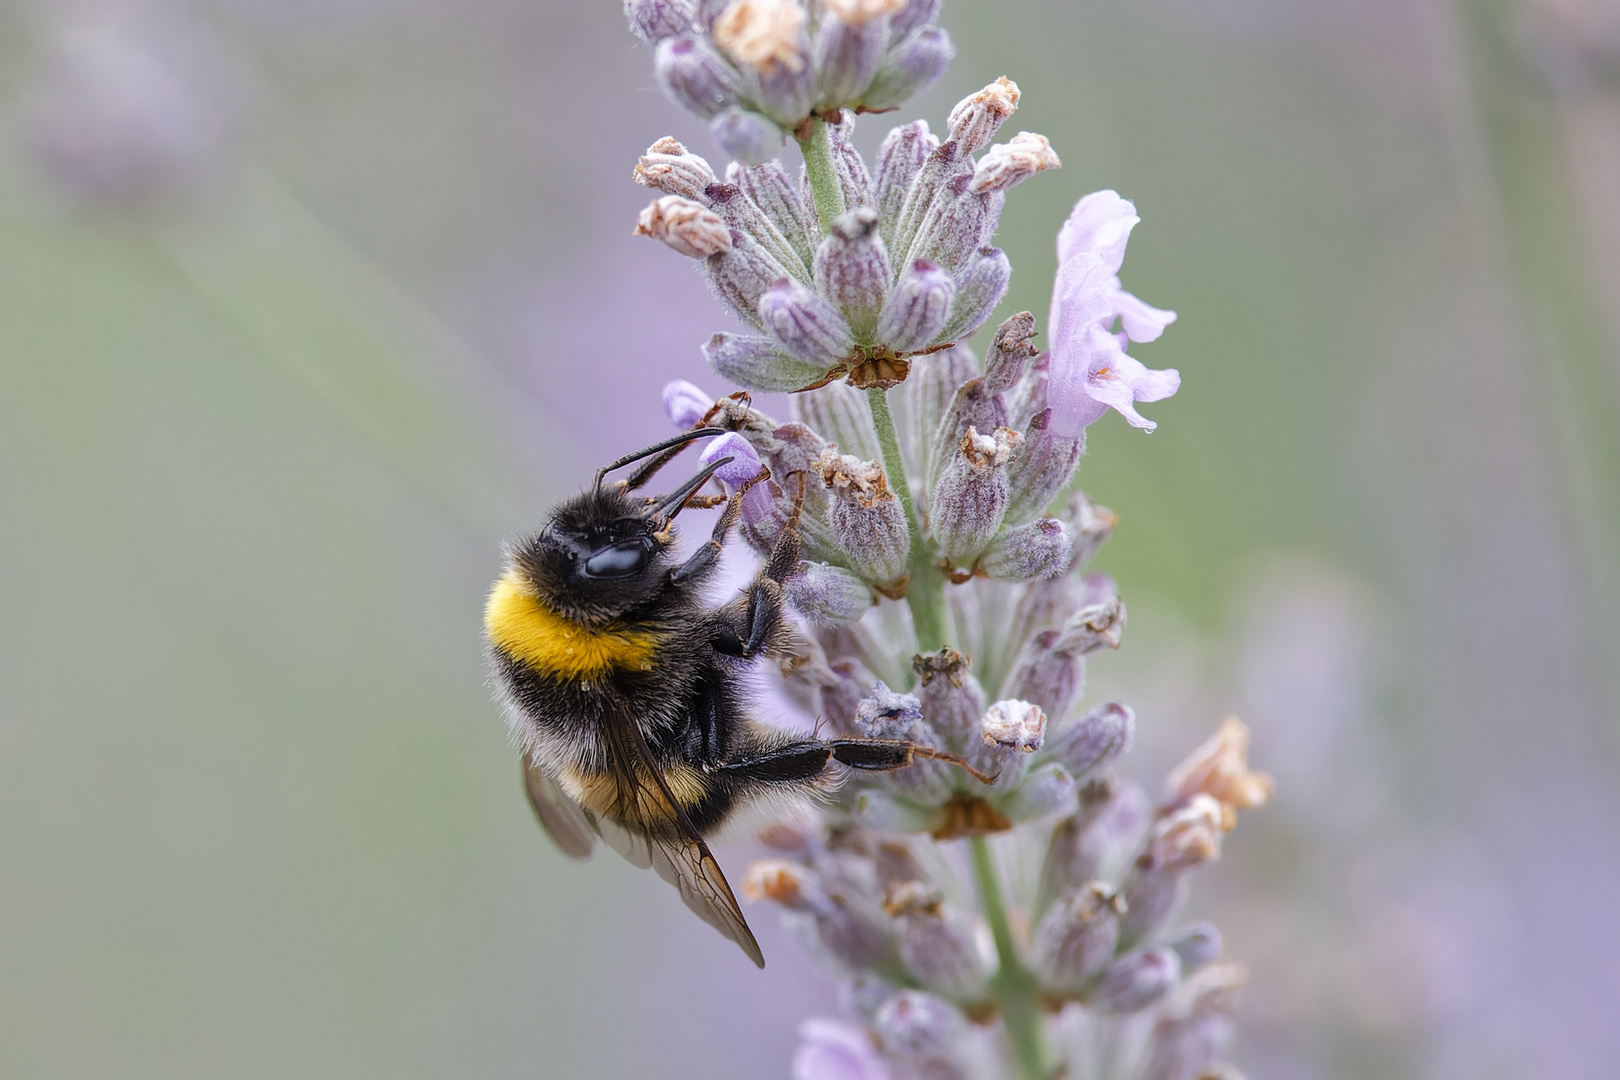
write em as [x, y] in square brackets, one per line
[1038, 549]
[970, 499]
[654, 20]
[852, 268]
[976, 118]
[740, 214]
[980, 285]
[738, 277]
[743, 467]
[1076, 937]
[841, 413]
[1011, 350]
[1220, 768]
[867, 520]
[1008, 164]
[806, 325]
[1093, 843]
[900, 157]
[768, 187]
[685, 403]
[693, 76]
[958, 223]
[1043, 469]
[913, 15]
[1194, 1028]
[854, 182]
[1198, 945]
[1045, 790]
[1132, 983]
[828, 594]
[842, 695]
[849, 46]
[946, 950]
[916, 310]
[667, 166]
[912, 1024]
[928, 395]
[762, 34]
[757, 363]
[1178, 842]
[834, 1050]
[952, 699]
[1095, 740]
[1047, 673]
[837, 925]
[746, 135]
[910, 67]
[686, 225]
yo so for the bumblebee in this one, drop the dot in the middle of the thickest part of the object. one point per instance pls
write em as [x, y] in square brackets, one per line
[621, 683]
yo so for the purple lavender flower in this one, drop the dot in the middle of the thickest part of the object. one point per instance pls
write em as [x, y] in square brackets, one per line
[1089, 369]
[685, 403]
[834, 1050]
[743, 467]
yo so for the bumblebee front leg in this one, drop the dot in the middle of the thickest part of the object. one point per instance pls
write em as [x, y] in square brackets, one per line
[758, 623]
[704, 558]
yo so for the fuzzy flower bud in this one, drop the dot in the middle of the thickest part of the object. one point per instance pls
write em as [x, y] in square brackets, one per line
[693, 76]
[841, 413]
[1220, 768]
[980, 285]
[913, 15]
[976, 118]
[884, 714]
[852, 268]
[1091, 844]
[945, 950]
[668, 167]
[867, 520]
[685, 403]
[1076, 938]
[738, 277]
[654, 20]
[952, 699]
[806, 325]
[1006, 165]
[1039, 549]
[740, 214]
[757, 363]
[746, 135]
[686, 225]
[827, 594]
[1095, 740]
[917, 309]
[767, 186]
[957, 224]
[1132, 983]
[1043, 469]
[743, 467]
[1179, 841]
[1194, 1027]
[971, 496]
[849, 47]
[837, 926]
[912, 1025]
[1047, 788]
[910, 67]
[900, 157]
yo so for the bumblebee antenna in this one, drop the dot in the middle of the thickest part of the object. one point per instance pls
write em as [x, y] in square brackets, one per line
[643, 475]
[675, 501]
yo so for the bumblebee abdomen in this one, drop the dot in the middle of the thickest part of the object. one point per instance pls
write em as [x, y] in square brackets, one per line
[526, 631]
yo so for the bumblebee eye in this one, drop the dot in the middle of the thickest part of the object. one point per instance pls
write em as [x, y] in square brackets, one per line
[617, 560]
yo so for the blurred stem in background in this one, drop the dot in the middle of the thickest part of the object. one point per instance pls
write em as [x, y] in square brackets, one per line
[1524, 140]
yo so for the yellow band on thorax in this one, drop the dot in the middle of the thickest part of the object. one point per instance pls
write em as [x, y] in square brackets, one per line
[525, 629]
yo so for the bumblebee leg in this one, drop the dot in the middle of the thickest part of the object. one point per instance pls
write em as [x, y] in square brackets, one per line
[704, 558]
[884, 755]
[805, 760]
[762, 623]
[794, 762]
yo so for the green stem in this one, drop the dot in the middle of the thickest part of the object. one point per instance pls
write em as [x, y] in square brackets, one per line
[1014, 987]
[823, 174]
[926, 593]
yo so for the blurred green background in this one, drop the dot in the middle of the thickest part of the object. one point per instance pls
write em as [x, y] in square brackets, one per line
[264, 420]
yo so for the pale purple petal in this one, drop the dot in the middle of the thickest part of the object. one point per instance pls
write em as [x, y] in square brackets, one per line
[833, 1050]
[1142, 322]
[1079, 300]
[685, 403]
[743, 467]
[1100, 224]
[1093, 374]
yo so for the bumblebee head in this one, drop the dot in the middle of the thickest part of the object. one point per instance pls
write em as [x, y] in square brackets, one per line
[606, 551]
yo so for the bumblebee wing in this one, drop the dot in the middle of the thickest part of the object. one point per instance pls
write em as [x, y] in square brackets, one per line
[565, 821]
[679, 854]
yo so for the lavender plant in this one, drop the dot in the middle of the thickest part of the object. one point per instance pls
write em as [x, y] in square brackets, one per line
[1027, 926]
